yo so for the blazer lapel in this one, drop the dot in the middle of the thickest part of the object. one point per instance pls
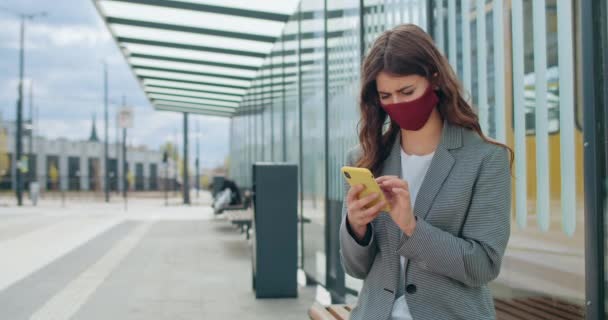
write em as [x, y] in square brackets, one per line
[438, 171]
[392, 167]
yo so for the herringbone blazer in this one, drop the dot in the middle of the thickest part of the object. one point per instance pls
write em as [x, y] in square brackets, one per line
[463, 225]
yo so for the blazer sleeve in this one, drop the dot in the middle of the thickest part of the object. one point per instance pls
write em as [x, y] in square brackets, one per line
[475, 258]
[357, 257]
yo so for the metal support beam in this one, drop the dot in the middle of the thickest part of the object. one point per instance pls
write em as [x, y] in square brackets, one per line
[189, 96]
[192, 82]
[195, 30]
[190, 47]
[194, 73]
[213, 9]
[186, 185]
[194, 61]
[210, 107]
[193, 110]
[237, 96]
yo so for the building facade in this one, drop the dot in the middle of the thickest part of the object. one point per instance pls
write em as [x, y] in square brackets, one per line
[62, 164]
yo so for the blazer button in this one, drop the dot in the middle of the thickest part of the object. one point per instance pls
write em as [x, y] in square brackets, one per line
[411, 288]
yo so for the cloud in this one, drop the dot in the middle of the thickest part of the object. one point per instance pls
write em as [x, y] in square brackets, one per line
[41, 36]
[64, 54]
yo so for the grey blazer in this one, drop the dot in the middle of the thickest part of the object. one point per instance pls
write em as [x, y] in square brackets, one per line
[463, 225]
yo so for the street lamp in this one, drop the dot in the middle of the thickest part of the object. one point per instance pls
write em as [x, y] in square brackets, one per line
[18, 137]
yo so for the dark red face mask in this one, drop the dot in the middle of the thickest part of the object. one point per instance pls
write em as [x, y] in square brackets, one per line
[413, 115]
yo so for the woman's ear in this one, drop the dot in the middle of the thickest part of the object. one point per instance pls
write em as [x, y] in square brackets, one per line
[435, 81]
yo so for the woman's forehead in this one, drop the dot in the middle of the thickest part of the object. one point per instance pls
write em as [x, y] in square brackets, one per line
[389, 81]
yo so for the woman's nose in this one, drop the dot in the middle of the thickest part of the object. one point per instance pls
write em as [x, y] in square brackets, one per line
[395, 99]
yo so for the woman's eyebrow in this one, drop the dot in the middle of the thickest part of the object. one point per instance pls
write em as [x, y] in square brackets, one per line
[401, 89]
[406, 87]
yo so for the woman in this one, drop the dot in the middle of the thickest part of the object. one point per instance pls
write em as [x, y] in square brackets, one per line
[448, 186]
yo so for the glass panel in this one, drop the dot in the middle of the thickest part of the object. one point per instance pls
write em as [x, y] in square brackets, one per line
[277, 101]
[343, 114]
[292, 108]
[313, 145]
[545, 256]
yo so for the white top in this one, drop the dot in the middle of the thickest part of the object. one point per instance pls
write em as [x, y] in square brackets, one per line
[413, 170]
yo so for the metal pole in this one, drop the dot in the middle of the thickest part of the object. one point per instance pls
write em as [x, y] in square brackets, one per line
[592, 25]
[18, 137]
[125, 181]
[186, 187]
[198, 141]
[175, 164]
[105, 142]
[32, 177]
[118, 147]
[166, 183]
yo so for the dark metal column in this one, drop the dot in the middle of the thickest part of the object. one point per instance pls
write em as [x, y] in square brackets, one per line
[30, 158]
[594, 135]
[186, 186]
[430, 26]
[105, 140]
[125, 171]
[19, 129]
[300, 132]
[197, 163]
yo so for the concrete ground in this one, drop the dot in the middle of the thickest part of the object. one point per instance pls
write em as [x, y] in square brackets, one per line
[93, 260]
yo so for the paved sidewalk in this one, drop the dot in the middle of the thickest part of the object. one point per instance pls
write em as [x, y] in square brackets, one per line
[96, 261]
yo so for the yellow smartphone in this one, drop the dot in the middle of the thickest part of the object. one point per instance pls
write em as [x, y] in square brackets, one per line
[355, 176]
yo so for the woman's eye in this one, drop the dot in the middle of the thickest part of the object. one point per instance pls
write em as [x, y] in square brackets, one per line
[409, 93]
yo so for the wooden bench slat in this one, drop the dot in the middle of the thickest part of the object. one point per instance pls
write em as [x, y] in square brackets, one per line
[561, 305]
[502, 315]
[339, 312]
[514, 311]
[549, 309]
[532, 308]
[536, 312]
[318, 312]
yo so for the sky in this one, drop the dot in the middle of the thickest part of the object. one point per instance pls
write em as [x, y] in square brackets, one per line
[64, 56]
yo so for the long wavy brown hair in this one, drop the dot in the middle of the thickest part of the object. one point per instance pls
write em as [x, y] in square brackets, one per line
[407, 50]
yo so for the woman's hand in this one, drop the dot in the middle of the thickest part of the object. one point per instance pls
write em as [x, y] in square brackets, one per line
[397, 194]
[359, 216]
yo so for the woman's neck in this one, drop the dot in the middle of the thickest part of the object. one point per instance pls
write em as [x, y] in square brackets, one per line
[425, 140]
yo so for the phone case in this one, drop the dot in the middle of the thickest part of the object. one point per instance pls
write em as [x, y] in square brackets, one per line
[355, 176]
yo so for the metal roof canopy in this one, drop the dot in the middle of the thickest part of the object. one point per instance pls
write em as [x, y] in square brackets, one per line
[195, 56]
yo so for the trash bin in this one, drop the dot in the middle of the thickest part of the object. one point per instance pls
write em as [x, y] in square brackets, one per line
[275, 224]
